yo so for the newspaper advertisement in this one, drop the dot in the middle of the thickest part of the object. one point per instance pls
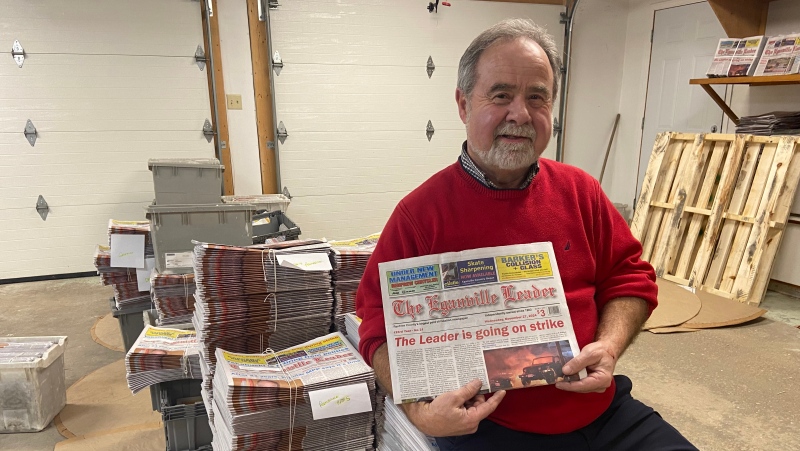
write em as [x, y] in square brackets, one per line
[497, 314]
[326, 358]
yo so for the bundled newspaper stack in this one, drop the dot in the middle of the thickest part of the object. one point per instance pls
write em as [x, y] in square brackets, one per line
[108, 274]
[319, 395]
[161, 355]
[173, 297]
[252, 298]
[350, 260]
[122, 280]
[116, 227]
[351, 324]
[393, 430]
[774, 123]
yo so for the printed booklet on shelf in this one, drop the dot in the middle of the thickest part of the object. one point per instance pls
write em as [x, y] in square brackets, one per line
[497, 314]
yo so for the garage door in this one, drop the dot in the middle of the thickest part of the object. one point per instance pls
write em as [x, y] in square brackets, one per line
[107, 84]
[355, 99]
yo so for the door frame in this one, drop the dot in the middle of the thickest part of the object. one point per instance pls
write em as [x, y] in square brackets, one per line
[655, 7]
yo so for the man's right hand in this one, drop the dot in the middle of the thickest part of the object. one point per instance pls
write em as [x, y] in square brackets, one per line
[457, 412]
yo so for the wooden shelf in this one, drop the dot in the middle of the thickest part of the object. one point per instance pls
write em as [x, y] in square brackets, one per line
[772, 80]
[741, 18]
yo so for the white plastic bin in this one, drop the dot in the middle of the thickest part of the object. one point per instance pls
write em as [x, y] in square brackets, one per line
[32, 392]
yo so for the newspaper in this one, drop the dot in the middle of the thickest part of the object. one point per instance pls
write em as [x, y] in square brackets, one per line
[776, 59]
[161, 355]
[726, 49]
[746, 57]
[497, 314]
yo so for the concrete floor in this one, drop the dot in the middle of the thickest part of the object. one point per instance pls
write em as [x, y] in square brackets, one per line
[726, 389]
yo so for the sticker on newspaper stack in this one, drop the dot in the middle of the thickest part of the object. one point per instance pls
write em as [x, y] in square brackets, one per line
[497, 314]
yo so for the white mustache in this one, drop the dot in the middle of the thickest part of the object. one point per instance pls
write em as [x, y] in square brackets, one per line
[515, 130]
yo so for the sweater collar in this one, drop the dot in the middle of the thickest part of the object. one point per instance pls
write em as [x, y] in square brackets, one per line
[473, 170]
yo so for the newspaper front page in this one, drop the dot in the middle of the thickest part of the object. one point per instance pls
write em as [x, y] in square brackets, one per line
[497, 314]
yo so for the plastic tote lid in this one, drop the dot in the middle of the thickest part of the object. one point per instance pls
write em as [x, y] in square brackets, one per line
[200, 163]
[197, 208]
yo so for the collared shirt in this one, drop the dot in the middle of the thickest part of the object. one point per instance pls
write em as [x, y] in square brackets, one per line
[473, 170]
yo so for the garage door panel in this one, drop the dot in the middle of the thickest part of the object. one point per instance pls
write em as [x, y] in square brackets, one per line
[342, 217]
[355, 98]
[397, 161]
[144, 27]
[108, 85]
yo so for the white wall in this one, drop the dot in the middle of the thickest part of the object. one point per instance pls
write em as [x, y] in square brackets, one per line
[594, 90]
[238, 74]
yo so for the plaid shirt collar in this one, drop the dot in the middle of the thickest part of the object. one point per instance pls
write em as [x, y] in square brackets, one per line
[473, 170]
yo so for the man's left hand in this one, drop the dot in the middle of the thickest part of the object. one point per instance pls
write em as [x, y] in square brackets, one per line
[599, 360]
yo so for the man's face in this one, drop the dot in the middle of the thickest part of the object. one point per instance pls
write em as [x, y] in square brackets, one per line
[509, 114]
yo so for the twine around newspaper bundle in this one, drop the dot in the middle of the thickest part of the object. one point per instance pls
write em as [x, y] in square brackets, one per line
[292, 398]
[275, 286]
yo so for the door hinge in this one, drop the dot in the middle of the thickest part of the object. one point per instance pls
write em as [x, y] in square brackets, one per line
[277, 62]
[430, 67]
[273, 4]
[42, 208]
[200, 57]
[429, 130]
[286, 192]
[282, 134]
[18, 53]
[208, 130]
[30, 133]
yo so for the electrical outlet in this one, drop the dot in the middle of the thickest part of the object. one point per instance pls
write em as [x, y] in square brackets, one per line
[234, 101]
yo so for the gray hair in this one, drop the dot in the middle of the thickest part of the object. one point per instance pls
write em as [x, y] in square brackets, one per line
[507, 30]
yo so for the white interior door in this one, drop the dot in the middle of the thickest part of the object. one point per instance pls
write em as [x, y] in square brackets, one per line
[108, 84]
[355, 98]
[684, 41]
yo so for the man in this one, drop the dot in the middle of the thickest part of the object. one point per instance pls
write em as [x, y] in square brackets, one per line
[499, 193]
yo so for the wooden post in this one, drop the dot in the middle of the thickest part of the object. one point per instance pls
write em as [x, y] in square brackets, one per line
[265, 122]
[223, 140]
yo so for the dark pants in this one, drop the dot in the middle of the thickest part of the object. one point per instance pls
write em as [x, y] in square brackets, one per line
[627, 425]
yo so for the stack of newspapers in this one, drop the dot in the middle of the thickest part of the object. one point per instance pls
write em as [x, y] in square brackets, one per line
[774, 123]
[173, 297]
[161, 355]
[393, 430]
[252, 298]
[350, 260]
[319, 395]
[122, 280]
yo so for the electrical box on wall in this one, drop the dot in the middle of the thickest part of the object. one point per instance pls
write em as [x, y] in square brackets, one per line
[234, 101]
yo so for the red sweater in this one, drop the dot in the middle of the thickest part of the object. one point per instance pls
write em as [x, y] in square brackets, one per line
[596, 254]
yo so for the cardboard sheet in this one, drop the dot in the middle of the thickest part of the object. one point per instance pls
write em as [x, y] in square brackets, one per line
[671, 330]
[146, 437]
[105, 332]
[717, 311]
[676, 305]
[102, 401]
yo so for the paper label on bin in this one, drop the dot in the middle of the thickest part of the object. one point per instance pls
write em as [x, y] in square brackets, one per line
[127, 251]
[178, 260]
[340, 401]
[306, 262]
[143, 275]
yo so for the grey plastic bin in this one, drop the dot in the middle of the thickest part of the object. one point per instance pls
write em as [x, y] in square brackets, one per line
[170, 390]
[131, 323]
[187, 428]
[173, 227]
[186, 181]
[272, 228]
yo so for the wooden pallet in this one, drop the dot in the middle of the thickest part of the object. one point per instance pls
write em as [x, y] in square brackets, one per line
[712, 209]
